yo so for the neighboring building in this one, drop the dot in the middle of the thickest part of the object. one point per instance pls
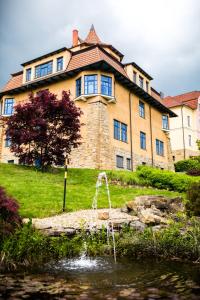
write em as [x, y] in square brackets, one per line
[123, 121]
[184, 130]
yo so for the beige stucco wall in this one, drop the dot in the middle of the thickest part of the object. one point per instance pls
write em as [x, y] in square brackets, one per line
[99, 148]
[130, 69]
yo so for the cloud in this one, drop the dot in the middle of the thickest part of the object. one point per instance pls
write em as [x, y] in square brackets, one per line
[162, 36]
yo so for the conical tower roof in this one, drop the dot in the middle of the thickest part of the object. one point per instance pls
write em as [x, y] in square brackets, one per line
[92, 37]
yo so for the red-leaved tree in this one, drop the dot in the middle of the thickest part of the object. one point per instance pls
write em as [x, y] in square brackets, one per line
[44, 129]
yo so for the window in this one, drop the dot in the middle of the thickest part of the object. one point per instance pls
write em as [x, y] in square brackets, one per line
[106, 85]
[128, 164]
[11, 161]
[28, 74]
[78, 87]
[44, 69]
[134, 76]
[141, 109]
[144, 163]
[142, 140]
[119, 161]
[188, 121]
[159, 147]
[190, 140]
[7, 141]
[147, 86]
[8, 106]
[165, 122]
[123, 132]
[59, 63]
[141, 82]
[120, 131]
[173, 157]
[90, 84]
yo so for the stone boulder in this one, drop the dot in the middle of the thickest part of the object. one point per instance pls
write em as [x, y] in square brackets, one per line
[138, 225]
[148, 216]
[103, 215]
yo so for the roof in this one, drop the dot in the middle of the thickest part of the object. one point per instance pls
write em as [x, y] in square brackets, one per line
[44, 56]
[91, 58]
[189, 99]
[92, 37]
[139, 69]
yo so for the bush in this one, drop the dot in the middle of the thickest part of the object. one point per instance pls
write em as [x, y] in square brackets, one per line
[9, 216]
[194, 172]
[187, 164]
[165, 179]
[193, 196]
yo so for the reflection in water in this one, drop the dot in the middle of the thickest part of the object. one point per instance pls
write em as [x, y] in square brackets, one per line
[101, 278]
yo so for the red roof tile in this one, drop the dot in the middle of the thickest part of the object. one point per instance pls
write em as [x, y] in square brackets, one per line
[92, 37]
[91, 56]
[14, 82]
[189, 99]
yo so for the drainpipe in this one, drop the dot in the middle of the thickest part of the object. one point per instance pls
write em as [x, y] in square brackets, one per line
[183, 132]
[131, 140]
[151, 135]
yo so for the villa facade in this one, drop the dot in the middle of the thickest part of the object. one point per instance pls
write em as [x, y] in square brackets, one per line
[185, 129]
[125, 124]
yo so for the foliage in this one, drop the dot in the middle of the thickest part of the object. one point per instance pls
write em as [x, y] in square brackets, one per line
[193, 196]
[27, 246]
[45, 129]
[41, 194]
[9, 216]
[198, 144]
[187, 165]
[194, 172]
[165, 179]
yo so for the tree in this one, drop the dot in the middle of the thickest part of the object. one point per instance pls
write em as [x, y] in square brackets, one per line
[44, 129]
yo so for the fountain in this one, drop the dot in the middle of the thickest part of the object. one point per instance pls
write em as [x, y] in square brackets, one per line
[110, 229]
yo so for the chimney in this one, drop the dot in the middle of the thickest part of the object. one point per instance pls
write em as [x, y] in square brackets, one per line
[75, 38]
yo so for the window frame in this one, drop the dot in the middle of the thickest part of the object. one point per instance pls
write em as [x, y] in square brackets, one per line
[141, 82]
[7, 142]
[106, 84]
[120, 131]
[6, 106]
[78, 86]
[94, 84]
[134, 76]
[128, 163]
[28, 74]
[141, 109]
[143, 140]
[163, 122]
[121, 165]
[190, 140]
[159, 147]
[58, 63]
[47, 65]
[188, 121]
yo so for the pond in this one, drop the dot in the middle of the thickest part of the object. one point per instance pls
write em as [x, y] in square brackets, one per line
[101, 278]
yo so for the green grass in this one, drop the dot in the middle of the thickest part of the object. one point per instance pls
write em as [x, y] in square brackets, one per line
[41, 194]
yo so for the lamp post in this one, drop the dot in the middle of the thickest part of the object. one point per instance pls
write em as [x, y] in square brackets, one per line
[65, 186]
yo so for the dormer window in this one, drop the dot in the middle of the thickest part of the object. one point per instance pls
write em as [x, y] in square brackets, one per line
[147, 86]
[59, 63]
[8, 106]
[141, 82]
[78, 87]
[28, 74]
[106, 85]
[90, 84]
[134, 76]
[44, 69]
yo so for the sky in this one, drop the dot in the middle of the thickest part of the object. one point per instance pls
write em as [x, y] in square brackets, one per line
[161, 36]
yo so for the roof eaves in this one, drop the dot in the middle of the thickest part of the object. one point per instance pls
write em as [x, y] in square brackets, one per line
[140, 69]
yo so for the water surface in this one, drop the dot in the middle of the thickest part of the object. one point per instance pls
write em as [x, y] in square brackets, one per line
[101, 278]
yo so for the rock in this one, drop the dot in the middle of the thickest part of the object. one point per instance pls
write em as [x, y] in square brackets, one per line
[124, 209]
[103, 215]
[131, 205]
[147, 216]
[158, 227]
[137, 225]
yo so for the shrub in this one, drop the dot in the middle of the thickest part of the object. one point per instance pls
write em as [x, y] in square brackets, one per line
[187, 164]
[165, 179]
[193, 196]
[9, 216]
[194, 172]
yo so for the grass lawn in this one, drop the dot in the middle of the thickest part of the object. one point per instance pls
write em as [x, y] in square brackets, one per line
[41, 194]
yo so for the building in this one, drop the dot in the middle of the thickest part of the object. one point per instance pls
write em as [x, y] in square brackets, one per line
[185, 129]
[125, 125]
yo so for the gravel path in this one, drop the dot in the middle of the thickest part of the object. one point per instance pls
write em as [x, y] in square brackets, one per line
[81, 219]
